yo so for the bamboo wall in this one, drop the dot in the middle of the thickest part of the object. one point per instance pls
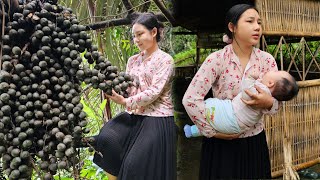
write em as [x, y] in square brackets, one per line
[298, 121]
[290, 17]
[294, 133]
[304, 130]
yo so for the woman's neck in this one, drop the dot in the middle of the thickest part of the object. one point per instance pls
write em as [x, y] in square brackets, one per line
[242, 51]
[151, 50]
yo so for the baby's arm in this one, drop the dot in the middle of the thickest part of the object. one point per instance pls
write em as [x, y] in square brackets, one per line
[248, 83]
[275, 110]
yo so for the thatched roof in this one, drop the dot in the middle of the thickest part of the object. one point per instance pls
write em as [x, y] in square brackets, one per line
[294, 18]
[203, 15]
[280, 17]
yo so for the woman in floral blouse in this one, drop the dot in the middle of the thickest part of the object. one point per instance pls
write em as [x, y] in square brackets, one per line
[140, 144]
[243, 155]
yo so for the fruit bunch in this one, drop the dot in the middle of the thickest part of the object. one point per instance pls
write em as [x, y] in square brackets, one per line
[41, 117]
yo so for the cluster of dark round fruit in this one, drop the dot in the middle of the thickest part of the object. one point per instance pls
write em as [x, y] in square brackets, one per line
[41, 117]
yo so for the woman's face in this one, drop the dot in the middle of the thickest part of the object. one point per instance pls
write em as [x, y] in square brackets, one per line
[143, 37]
[248, 29]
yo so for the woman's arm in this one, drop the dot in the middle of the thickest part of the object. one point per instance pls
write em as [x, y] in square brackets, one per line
[261, 100]
[193, 100]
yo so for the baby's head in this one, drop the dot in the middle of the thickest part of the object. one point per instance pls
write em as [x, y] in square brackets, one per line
[282, 85]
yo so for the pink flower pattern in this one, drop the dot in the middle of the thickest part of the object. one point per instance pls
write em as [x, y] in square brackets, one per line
[222, 72]
[152, 94]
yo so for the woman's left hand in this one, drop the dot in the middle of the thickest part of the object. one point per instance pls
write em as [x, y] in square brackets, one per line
[117, 98]
[260, 100]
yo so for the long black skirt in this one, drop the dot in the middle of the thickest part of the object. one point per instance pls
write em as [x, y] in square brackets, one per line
[135, 147]
[243, 158]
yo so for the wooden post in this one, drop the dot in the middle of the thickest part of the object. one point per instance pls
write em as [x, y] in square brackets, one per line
[263, 41]
[289, 172]
[188, 149]
[281, 54]
[303, 59]
[197, 52]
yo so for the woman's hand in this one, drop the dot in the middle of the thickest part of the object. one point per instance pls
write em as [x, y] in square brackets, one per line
[260, 100]
[117, 98]
[226, 136]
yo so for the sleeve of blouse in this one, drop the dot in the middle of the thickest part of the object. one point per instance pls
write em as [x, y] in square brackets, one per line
[161, 77]
[193, 99]
[271, 65]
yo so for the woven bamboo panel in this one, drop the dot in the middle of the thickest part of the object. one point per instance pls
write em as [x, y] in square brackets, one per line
[304, 115]
[290, 17]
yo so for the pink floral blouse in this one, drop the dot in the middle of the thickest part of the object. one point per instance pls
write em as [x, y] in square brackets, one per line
[222, 72]
[151, 95]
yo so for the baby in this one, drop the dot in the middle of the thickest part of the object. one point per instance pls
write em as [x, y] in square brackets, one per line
[234, 116]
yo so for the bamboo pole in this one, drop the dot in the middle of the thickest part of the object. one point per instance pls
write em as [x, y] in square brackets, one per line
[313, 58]
[291, 33]
[303, 60]
[289, 172]
[278, 47]
[281, 55]
[292, 60]
[309, 83]
[297, 167]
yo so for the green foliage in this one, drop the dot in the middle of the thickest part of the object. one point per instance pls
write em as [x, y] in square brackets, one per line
[89, 171]
[58, 177]
[180, 43]
[120, 46]
[186, 57]
[94, 114]
[183, 48]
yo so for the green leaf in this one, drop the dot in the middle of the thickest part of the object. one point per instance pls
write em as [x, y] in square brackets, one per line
[62, 178]
[103, 104]
[87, 109]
